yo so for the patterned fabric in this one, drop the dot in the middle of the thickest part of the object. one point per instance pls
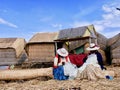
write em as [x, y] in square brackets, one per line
[58, 73]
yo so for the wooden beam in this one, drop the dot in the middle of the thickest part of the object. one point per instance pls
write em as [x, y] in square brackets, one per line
[72, 39]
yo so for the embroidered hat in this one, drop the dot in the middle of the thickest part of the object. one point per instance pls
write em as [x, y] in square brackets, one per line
[62, 52]
[92, 46]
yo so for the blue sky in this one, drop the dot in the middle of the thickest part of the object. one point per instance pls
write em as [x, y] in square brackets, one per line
[24, 18]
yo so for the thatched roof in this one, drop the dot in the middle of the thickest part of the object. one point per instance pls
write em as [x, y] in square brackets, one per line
[99, 35]
[76, 33]
[6, 42]
[44, 37]
[17, 44]
[9, 42]
[102, 40]
[114, 39]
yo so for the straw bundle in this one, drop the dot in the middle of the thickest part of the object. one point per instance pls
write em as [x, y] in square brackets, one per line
[24, 74]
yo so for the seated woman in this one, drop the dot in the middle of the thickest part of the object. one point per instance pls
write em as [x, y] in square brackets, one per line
[93, 68]
[62, 68]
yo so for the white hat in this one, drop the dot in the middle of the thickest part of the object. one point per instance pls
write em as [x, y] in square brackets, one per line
[62, 52]
[92, 46]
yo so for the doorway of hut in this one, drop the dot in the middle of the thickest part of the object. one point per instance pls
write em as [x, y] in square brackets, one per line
[78, 50]
[59, 45]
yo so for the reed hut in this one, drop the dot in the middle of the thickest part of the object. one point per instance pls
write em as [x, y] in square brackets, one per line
[114, 44]
[77, 39]
[41, 47]
[11, 50]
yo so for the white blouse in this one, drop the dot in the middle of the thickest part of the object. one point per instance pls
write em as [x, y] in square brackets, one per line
[59, 63]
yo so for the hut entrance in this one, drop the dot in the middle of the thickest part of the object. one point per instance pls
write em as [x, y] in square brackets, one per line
[59, 45]
[79, 50]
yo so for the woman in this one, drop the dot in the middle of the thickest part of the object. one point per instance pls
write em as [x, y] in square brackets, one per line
[62, 68]
[93, 68]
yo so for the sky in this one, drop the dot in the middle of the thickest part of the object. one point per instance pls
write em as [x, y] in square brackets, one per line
[24, 18]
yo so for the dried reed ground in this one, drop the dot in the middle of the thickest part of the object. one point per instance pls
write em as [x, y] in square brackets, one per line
[44, 83]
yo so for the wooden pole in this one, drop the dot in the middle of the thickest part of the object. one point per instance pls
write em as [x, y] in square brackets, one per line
[89, 40]
[68, 47]
[55, 48]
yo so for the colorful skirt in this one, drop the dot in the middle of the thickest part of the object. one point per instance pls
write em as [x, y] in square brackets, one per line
[58, 73]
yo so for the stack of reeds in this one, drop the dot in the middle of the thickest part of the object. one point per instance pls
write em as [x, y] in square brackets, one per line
[24, 73]
[114, 44]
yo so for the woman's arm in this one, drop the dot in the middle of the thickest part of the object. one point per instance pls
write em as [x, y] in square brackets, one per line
[100, 60]
[55, 62]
